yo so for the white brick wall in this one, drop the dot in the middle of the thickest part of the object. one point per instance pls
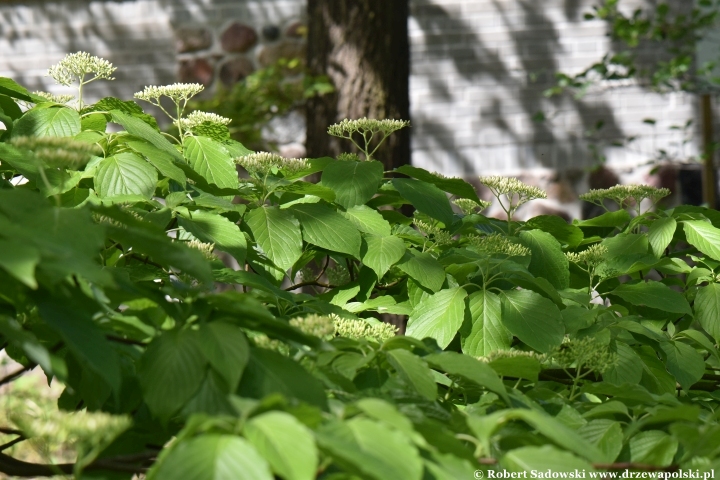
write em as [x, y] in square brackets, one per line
[473, 63]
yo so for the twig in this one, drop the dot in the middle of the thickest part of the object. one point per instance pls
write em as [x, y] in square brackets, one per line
[12, 376]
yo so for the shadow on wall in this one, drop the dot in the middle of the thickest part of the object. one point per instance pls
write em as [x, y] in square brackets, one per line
[511, 87]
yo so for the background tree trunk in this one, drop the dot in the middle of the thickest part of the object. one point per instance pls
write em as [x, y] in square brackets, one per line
[363, 47]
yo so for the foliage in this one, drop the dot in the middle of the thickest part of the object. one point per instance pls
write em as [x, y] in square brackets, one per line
[530, 345]
[263, 95]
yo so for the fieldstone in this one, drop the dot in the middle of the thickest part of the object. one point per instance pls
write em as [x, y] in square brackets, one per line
[196, 70]
[296, 30]
[192, 39]
[235, 69]
[271, 32]
[238, 37]
[288, 50]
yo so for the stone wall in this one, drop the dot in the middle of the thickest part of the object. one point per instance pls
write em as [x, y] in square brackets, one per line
[479, 69]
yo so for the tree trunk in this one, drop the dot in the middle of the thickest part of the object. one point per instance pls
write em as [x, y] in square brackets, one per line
[362, 46]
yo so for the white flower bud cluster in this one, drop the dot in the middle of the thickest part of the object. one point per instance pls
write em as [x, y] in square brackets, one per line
[440, 236]
[76, 65]
[502, 354]
[360, 329]
[348, 157]
[592, 256]
[469, 207]
[58, 152]
[496, 243]
[512, 186]
[177, 92]
[316, 325]
[262, 163]
[197, 118]
[620, 194]
[366, 126]
[205, 248]
[51, 97]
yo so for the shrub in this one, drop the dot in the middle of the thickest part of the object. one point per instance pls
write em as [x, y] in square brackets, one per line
[530, 345]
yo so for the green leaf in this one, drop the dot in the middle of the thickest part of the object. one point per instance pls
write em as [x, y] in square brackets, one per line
[287, 445]
[212, 228]
[456, 186]
[48, 122]
[125, 174]
[269, 372]
[628, 369]
[655, 376]
[212, 457]
[12, 89]
[354, 183]
[72, 318]
[517, 367]
[170, 372]
[653, 294]
[704, 237]
[533, 319]
[469, 369]
[371, 449]
[608, 219]
[327, 229]
[136, 127]
[605, 434]
[423, 268]
[427, 198]
[547, 260]
[227, 350]
[19, 260]
[707, 309]
[684, 362]
[159, 159]
[278, 233]
[653, 447]
[661, 234]
[33, 349]
[368, 220]
[381, 253]
[211, 160]
[414, 371]
[543, 459]
[488, 334]
[438, 316]
[564, 233]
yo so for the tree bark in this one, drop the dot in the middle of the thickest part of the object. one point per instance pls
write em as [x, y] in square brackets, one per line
[363, 47]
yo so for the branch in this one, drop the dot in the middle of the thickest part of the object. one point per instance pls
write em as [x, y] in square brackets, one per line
[127, 463]
[12, 376]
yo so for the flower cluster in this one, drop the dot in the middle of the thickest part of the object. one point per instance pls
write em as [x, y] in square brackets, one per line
[177, 92]
[262, 163]
[316, 325]
[76, 66]
[337, 275]
[622, 194]
[361, 329]
[366, 126]
[502, 354]
[58, 152]
[469, 207]
[51, 97]
[516, 192]
[592, 256]
[197, 118]
[587, 354]
[348, 157]
[205, 248]
[440, 236]
[496, 243]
